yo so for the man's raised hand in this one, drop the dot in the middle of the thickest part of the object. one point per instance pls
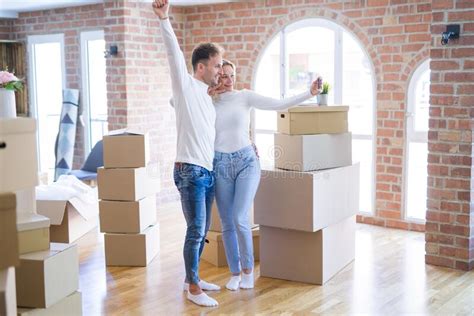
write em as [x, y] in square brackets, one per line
[161, 8]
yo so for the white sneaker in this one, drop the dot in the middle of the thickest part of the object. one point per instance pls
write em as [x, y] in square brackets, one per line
[202, 299]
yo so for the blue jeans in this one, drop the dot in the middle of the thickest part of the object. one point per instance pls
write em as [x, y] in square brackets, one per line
[196, 187]
[237, 179]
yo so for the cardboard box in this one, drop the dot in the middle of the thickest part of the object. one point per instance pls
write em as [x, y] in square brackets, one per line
[307, 201]
[33, 233]
[126, 148]
[216, 225]
[7, 292]
[310, 119]
[132, 249]
[70, 306]
[26, 200]
[70, 219]
[313, 152]
[9, 250]
[307, 257]
[129, 184]
[214, 251]
[44, 278]
[127, 217]
[18, 165]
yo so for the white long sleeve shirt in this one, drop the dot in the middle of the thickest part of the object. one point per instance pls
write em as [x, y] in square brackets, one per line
[195, 113]
[233, 116]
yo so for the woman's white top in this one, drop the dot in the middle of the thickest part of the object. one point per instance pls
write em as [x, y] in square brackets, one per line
[233, 116]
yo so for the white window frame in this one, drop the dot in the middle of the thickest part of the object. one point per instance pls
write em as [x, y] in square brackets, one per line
[412, 135]
[338, 89]
[33, 40]
[85, 95]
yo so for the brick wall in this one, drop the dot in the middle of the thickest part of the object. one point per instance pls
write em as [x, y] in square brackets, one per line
[450, 217]
[394, 33]
[70, 21]
[5, 29]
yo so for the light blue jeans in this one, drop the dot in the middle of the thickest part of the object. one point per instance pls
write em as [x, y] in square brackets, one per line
[237, 178]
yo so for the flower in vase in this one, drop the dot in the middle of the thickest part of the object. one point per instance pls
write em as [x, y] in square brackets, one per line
[9, 81]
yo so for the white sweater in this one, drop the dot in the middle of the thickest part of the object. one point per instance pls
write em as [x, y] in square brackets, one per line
[233, 116]
[195, 114]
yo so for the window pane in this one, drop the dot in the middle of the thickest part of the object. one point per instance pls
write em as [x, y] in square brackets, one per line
[357, 90]
[265, 146]
[97, 90]
[362, 152]
[48, 89]
[417, 177]
[307, 58]
[422, 102]
[268, 83]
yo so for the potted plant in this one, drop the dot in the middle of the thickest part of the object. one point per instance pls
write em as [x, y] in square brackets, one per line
[323, 96]
[9, 83]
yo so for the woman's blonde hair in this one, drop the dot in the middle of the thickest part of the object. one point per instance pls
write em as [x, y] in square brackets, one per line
[226, 62]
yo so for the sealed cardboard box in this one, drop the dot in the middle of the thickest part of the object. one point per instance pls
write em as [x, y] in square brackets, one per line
[26, 200]
[44, 278]
[310, 119]
[70, 219]
[127, 217]
[128, 184]
[307, 257]
[216, 225]
[33, 232]
[9, 250]
[18, 165]
[214, 251]
[70, 306]
[7, 292]
[313, 152]
[307, 201]
[132, 249]
[126, 148]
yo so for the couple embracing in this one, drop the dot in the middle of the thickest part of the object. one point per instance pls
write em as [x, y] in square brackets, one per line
[215, 157]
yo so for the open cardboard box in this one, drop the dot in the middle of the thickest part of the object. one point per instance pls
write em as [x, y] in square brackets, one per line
[70, 219]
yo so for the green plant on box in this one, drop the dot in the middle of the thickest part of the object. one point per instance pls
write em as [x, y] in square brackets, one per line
[326, 88]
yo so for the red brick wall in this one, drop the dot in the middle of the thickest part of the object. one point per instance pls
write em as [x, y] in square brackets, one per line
[394, 33]
[70, 21]
[5, 29]
[450, 217]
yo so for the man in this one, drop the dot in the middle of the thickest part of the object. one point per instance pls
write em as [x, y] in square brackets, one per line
[195, 119]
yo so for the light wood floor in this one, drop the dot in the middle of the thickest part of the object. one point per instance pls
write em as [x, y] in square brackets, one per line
[388, 277]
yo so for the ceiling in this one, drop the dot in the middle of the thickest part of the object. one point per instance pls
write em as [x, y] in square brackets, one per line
[11, 8]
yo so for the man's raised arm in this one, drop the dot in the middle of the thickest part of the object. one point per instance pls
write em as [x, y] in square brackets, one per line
[178, 70]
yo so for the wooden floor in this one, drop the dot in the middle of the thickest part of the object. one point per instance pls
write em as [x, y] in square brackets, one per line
[388, 277]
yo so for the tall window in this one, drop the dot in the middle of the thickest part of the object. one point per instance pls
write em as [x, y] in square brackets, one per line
[292, 60]
[94, 93]
[46, 53]
[417, 144]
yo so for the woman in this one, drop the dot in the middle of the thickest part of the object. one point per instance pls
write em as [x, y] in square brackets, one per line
[237, 168]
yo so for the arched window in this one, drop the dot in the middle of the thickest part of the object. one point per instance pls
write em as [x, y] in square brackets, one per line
[416, 169]
[292, 59]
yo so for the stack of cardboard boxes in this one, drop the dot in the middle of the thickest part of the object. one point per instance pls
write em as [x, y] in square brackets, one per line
[128, 184]
[214, 251]
[306, 207]
[46, 278]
